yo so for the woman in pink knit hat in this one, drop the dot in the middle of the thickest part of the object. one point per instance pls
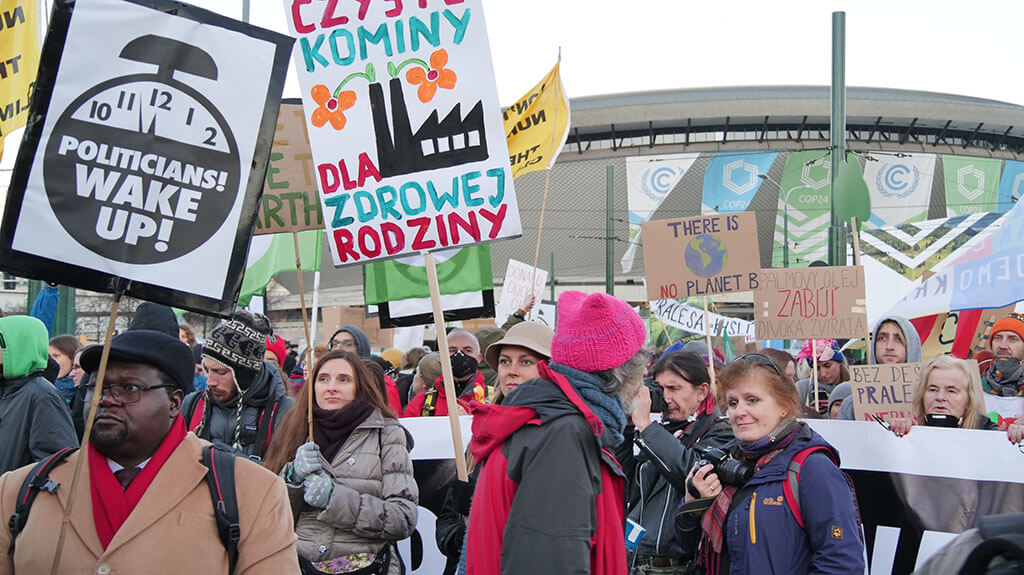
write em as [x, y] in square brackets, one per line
[549, 495]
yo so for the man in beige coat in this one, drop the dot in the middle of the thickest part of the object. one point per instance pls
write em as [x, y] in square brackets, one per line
[158, 517]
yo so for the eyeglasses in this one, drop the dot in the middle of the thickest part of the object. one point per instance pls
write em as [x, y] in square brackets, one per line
[124, 393]
[761, 359]
[343, 344]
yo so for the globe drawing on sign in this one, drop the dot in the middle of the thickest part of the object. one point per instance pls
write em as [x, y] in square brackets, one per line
[706, 255]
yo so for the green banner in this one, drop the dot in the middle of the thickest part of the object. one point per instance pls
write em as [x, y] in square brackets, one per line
[804, 201]
[972, 184]
[465, 271]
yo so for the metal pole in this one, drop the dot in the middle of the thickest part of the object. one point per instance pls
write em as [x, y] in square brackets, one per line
[837, 136]
[785, 232]
[552, 276]
[609, 248]
[245, 11]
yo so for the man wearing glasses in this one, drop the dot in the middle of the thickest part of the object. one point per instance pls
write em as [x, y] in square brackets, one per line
[143, 502]
[34, 420]
[350, 338]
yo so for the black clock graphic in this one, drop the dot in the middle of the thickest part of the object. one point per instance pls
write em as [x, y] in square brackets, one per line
[143, 168]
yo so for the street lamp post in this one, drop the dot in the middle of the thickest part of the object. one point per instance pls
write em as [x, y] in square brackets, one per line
[785, 216]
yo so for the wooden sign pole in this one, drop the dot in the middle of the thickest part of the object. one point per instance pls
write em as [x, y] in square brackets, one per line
[97, 393]
[711, 350]
[446, 369]
[309, 343]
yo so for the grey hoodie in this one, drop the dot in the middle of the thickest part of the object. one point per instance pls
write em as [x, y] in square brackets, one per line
[363, 346]
[913, 341]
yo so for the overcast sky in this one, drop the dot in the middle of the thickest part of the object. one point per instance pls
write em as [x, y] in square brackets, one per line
[959, 47]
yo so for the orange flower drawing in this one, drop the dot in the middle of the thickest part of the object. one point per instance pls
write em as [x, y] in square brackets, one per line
[437, 75]
[331, 109]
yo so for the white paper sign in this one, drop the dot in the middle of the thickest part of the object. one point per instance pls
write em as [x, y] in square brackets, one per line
[691, 319]
[516, 289]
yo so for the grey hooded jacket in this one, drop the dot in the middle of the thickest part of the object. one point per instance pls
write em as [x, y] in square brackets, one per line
[913, 341]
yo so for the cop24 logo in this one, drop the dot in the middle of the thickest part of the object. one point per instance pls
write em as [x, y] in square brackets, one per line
[897, 180]
[657, 182]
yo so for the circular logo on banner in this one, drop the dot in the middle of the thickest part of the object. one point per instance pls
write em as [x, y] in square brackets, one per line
[143, 169]
[706, 255]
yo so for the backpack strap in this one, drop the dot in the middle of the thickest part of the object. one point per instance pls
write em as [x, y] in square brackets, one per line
[791, 487]
[266, 428]
[429, 402]
[37, 479]
[195, 417]
[220, 478]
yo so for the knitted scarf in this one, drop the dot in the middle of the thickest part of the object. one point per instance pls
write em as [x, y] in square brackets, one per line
[334, 426]
[1006, 377]
[111, 505]
[591, 390]
[713, 523]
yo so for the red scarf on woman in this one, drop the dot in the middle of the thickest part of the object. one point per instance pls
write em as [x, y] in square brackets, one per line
[111, 505]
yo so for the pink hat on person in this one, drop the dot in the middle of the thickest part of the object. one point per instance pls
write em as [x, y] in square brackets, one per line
[595, 332]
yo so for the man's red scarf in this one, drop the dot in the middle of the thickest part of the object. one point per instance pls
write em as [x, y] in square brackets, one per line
[111, 505]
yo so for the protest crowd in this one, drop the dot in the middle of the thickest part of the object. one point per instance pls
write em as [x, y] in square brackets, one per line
[569, 471]
[596, 445]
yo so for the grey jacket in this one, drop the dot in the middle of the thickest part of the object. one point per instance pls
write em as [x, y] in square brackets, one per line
[220, 420]
[658, 481]
[34, 422]
[374, 500]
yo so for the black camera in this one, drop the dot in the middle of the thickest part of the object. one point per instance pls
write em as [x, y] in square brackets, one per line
[658, 404]
[730, 471]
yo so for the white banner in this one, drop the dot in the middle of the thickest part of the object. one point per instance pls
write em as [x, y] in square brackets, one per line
[691, 319]
[900, 187]
[649, 179]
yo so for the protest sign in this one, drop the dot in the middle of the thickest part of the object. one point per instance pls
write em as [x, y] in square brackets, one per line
[290, 201]
[406, 131]
[517, 288]
[818, 302]
[704, 255]
[883, 390]
[143, 167]
[19, 59]
[686, 317]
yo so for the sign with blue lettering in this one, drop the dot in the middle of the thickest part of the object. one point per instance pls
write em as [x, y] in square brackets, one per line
[699, 256]
[405, 127]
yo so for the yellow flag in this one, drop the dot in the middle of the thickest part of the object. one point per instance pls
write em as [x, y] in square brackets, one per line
[19, 60]
[536, 126]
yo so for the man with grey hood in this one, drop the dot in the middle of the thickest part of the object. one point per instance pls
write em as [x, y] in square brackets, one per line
[893, 340]
[245, 399]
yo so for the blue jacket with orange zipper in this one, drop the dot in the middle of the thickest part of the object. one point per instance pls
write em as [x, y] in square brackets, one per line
[761, 532]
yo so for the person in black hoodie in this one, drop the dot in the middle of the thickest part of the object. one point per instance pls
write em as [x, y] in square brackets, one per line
[245, 396]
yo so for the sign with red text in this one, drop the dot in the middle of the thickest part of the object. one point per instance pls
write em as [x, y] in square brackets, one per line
[290, 201]
[521, 280]
[142, 165]
[818, 302]
[700, 256]
[405, 127]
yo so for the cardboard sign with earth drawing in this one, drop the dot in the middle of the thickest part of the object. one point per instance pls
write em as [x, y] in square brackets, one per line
[700, 256]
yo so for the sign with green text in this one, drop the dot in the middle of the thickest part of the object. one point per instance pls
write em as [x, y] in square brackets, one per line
[700, 256]
[290, 202]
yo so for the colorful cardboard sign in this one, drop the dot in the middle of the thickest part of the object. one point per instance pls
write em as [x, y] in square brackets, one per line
[818, 302]
[700, 256]
[290, 201]
[141, 165]
[405, 126]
